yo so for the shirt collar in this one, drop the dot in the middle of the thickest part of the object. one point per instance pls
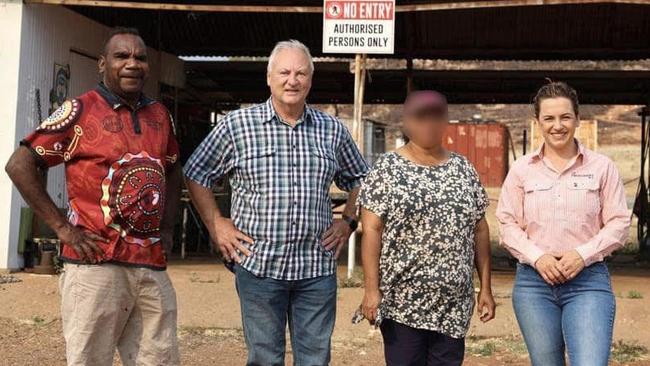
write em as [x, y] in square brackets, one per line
[116, 102]
[538, 154]
[268, 112]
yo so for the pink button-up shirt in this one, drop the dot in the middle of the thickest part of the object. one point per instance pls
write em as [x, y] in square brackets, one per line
[542, 210]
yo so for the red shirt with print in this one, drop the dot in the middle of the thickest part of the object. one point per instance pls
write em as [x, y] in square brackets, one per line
[115, 160]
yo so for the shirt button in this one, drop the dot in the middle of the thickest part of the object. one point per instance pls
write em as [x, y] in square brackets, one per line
[294, 146]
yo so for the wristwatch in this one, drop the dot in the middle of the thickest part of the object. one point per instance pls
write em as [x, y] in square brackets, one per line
[354, 224]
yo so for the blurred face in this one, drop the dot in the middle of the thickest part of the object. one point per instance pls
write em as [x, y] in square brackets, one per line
[289, 77]
[558, 122]
[124, 66]
[426, 128]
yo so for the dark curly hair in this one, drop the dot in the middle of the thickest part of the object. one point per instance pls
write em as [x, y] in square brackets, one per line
[117, 31]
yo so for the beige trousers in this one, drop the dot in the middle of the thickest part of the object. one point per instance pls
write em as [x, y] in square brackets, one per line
[109, 306]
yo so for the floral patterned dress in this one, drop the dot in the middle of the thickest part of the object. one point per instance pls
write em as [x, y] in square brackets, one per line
[427, 248]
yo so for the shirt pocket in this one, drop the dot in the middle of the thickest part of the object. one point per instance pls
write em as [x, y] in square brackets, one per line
[583, 200]
[256, 169]
[323, 165]
[538, 201]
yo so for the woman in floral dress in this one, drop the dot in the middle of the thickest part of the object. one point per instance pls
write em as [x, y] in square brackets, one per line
[424, 231]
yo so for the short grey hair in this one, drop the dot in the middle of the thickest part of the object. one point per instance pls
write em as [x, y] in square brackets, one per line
[292, 43]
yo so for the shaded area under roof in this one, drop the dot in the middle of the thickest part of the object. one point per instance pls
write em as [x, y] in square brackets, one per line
[233, 83]
[547, 32]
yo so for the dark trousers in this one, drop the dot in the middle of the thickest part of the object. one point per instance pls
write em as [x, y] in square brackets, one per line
[406, 346]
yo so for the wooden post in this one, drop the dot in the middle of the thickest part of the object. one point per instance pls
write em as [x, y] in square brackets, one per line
[357, 135]
[359, 88]
[525, 141]
[357, 77]
[643, 226]
[409, 75]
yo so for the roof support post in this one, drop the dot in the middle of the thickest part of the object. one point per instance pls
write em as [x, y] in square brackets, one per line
[641, 202]
[357, 135]
[409, 75]
[359, 89]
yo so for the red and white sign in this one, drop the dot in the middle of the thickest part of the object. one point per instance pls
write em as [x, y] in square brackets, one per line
[359, 26]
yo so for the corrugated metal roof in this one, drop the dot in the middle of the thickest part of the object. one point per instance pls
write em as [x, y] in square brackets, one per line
[245, 82]
[585, 31]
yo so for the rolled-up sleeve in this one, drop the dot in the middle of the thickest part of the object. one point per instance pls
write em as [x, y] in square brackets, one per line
[352, 166]
[615, 217]
[213, 158]
[510, 214]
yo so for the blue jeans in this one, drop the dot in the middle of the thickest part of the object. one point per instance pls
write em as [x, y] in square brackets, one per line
[577, 316]
[309, 307]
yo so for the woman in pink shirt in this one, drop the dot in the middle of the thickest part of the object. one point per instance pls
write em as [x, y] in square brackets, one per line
[562, 210]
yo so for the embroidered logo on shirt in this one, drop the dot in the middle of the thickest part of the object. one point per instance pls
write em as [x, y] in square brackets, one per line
[587, 176]
[154, 125]
[113, 124]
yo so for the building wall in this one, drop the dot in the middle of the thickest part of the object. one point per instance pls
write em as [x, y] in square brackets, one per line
[42, 36]
[10, 39]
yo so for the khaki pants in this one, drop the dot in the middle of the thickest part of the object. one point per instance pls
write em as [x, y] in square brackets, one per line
[110, 306]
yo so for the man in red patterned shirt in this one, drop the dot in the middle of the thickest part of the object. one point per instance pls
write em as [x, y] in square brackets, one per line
[123, 182]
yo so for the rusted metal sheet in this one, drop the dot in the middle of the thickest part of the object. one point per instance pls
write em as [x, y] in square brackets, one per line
[486, 147]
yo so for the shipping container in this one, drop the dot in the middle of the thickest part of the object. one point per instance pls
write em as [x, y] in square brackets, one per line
[486, 145]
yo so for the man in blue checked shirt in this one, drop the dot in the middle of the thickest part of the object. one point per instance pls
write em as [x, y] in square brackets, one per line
[281, 157]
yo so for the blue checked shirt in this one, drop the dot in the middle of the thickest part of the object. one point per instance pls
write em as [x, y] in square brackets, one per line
[280, 177]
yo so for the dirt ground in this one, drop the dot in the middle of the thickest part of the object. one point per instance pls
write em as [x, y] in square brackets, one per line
[209, 318]
[210, 329]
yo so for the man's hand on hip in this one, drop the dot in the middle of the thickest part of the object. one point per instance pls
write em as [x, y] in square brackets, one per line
[337, 235]
[83, 242]
[229, 239]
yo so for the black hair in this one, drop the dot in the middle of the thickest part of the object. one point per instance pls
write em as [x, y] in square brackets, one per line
[117, 31]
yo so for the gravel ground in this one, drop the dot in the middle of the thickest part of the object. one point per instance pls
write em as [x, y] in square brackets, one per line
[210, 328]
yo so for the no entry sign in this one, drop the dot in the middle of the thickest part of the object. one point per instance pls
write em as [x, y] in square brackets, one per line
[359, 26]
